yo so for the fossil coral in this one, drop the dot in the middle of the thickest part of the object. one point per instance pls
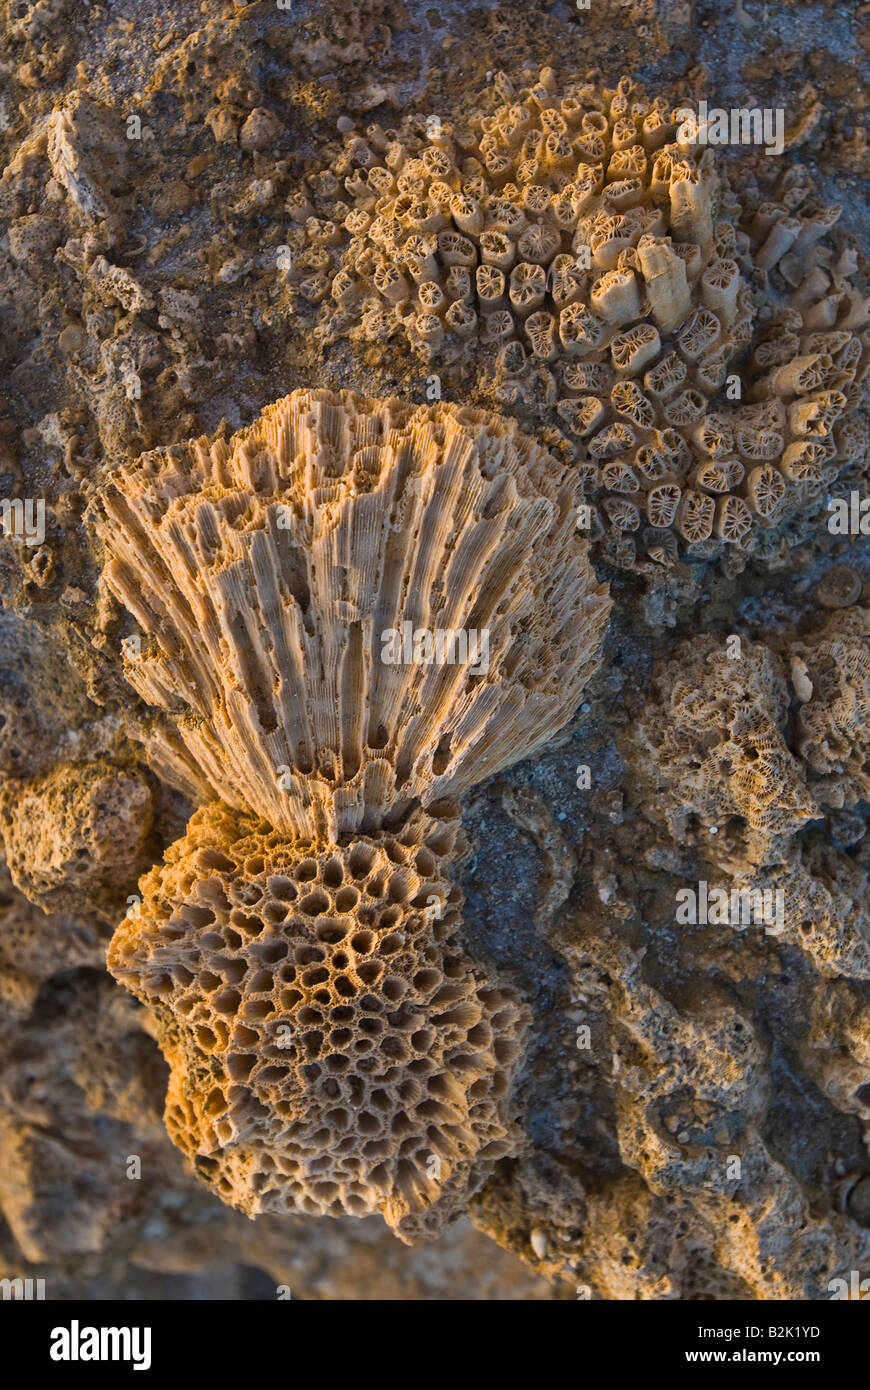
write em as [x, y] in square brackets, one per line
[741, 780]
[717, 758]
[579, 247]
[833, 721]
[825, 913]
[331, 1048]
[271, 573]
[338, 1051]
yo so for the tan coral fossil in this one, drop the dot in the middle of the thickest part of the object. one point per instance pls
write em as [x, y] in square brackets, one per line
[332, 1049]
[714, 752]
[268, 573]
[283, 580]
[590, 228]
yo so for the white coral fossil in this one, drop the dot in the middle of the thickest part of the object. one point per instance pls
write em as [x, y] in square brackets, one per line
[271, 575]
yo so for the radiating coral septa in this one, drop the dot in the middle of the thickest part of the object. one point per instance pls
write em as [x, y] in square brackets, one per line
[348, 606]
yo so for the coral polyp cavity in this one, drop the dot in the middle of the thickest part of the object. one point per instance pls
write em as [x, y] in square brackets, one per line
[332, 1047]
[684, 333]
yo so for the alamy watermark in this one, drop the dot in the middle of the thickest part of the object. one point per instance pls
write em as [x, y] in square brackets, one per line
[854, 1290]
[440, 646]
[22, 1290]
[735, 907]
[23, 519]
[849, 516]
[77, 1343]
[738, 125]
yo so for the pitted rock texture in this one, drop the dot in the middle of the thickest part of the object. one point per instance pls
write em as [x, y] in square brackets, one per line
[34, 947]
[79, 837]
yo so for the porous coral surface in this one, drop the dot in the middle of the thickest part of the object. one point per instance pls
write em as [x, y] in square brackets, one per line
[332, 1050]
[186, 236]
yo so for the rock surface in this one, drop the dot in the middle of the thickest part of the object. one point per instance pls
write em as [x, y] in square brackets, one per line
[695, 1095]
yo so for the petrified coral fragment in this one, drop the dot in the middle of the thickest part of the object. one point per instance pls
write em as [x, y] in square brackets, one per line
[839, 588]
[823, 894]
[833, 724]
[614, 234]
[86, 153]
[278, 577]
[352, 609]
[720, 770]
[332, 1049]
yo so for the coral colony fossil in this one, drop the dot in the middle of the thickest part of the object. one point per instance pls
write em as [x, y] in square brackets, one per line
[332, 1049]
[579, 250]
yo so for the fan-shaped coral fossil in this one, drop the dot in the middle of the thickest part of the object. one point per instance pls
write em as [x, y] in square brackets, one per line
[268, 573]
[580, 250]
[332, 1048]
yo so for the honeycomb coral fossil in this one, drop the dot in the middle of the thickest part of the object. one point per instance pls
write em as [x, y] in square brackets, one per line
[591, 232]
[332, 1048]
[269, 573]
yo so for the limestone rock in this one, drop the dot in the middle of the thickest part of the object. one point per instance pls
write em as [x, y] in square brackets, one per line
[78, 837]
